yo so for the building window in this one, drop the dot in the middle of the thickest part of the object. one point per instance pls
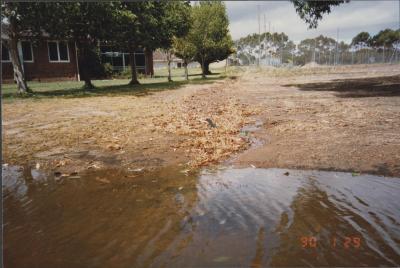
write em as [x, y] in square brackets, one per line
[53, 51]
[27, 51]
[58, 51]
[5, 54]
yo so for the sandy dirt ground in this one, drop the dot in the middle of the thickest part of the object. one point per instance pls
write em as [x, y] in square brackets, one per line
[345, 118]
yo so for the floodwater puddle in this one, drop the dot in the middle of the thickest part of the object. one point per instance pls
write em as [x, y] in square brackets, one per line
[210, 218]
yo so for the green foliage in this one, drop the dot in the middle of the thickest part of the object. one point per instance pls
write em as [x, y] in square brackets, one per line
[209, 33]
[137, 21]
[280, 40]
[86, 22]
[92, 64]
[362, 37]
[108, 70]
[386, 38]
[181, 45]
[184, 49]
[312, 11]
[175, 23]
[150, 25]
[322, 43]
[322, 47]
[21, 17]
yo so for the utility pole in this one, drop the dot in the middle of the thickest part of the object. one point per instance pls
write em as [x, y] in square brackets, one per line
[293, 58]
[315, 47]
[273, 43]
[337, 48]
[265, 25]
[282, 49]
[265, 38]
[397, 48]
[259, 39]
[269, 43]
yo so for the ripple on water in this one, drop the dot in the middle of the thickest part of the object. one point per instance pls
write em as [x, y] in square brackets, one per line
[228, 217]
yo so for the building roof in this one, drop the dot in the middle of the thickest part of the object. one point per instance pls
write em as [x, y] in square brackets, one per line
[158, 55]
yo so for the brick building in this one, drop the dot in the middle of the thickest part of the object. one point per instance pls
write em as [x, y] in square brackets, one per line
[48, 60]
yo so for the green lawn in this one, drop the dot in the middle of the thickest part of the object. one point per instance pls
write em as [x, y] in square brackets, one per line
[117, 86]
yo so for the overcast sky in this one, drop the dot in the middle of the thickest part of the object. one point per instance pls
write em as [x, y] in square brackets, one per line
[350, 18]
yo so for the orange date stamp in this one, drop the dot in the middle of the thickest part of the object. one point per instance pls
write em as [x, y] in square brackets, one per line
[346, 242]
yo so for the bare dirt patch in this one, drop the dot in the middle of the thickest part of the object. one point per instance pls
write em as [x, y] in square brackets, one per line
[344, 119]
[196, 125]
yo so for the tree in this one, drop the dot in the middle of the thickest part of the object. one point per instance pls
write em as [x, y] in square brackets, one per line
[150, 25]
[362, 37]
[85, 23]
[311, 11]
[134, 29]
[209, 34]
[185, 50]
[321, 49]
[19, 20]
[174, 23]
[386, 38]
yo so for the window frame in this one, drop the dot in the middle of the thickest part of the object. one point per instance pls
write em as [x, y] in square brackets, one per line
[33, 57]
[58, 52]
[9, 55]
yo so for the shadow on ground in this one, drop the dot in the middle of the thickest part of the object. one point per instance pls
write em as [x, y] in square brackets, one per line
[190, 75]
[384, 86]
[114, 90]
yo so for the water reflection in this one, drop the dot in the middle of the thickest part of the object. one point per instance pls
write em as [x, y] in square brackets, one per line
[231, 217]
[332, 214]
[87, 223]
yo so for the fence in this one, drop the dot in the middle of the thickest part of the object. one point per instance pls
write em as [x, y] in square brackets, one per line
[347, 57]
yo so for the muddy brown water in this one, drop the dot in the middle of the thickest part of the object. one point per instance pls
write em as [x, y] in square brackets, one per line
[210, 218]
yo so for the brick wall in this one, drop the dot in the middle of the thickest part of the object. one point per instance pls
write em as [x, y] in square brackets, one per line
[41, 69]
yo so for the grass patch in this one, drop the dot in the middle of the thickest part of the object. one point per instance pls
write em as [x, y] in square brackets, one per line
[115, 86]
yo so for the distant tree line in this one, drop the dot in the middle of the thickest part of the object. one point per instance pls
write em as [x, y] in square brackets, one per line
[321, 49]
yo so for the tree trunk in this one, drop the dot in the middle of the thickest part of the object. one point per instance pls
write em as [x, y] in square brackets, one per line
[84, 72]
[203, 71]
[207, 68]
[169, 65]
[185, 64]
[132, 62]
[19, 75]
